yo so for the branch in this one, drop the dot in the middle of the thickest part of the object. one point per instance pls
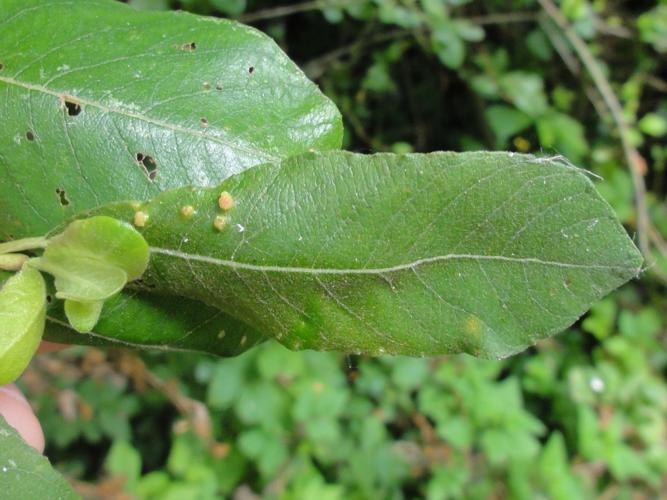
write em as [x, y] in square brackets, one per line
[282, 11]
[633, 158]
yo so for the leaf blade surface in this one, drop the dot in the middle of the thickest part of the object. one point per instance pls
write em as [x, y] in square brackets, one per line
[415, 254]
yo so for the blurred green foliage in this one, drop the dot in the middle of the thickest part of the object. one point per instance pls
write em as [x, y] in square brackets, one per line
[579, 416]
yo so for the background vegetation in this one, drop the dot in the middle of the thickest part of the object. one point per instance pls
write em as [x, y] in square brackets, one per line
[578, 416]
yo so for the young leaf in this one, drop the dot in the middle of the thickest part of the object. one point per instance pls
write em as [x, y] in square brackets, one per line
[413, 254]
[22, 313]
[105, 239]
[93, 259]
[83, 316]
[81, 278]
[26, 473]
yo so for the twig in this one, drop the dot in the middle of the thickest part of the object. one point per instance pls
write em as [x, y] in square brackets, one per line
[316, 67]
[572, 63]
[632, 156]
[656, 83]
[282, 11]
[502, 18]
[193, 411]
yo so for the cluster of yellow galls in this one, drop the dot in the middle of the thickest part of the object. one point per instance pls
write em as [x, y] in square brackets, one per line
[225, 202]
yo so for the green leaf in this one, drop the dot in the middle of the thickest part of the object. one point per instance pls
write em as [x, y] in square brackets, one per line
[409, 254]
[653, 124]
[22, 312]
[124, 461]
[448, 45]
[104, 239]
[123, 104]
[526, 91]
[149, 321]
[83, 279]
[563, 133]
[25, 473]
[468, 31]
[83, 316]
[230, 7]
[143, 95]
[505, 122]
[93, 259]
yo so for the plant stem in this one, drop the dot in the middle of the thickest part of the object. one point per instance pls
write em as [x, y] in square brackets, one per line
[24, 244]
[282, 11]
[632, 156]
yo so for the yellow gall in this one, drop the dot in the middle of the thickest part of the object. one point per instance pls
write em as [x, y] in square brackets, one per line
[226, 202]
[140, 218]
[187, 211]
[219, 223]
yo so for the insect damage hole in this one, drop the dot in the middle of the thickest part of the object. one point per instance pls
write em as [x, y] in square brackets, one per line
[72, 107]
[148, 165]
[251, 70]
[29, 135]
[62, 197]
[189, 47]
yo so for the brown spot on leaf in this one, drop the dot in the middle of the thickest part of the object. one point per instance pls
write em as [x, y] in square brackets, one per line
[29, 135]
[189, 47]
[204, 122]
[148, 165]
[71, 105]
[251, 70]
[62, 197]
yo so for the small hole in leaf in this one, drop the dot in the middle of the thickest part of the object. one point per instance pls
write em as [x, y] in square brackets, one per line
[204, 122]
[29, 135]
[49, 298]
[62, 197]
[148, 164]
[73, 108]
[189, 46]
[251, 70]
[218, 87]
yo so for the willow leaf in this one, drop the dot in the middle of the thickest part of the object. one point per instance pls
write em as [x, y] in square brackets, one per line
[482, 253]
[26, 473]
[124, 104]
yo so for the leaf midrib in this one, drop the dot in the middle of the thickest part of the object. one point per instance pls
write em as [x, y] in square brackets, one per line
[260, 153]
[385, 270]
